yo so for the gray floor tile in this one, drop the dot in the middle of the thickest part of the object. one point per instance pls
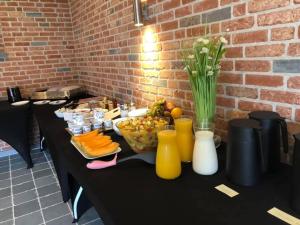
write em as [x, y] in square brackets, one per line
[44, 181]
[4, 183]
[55, 211]
[42, 173]
[20, 165]
[5, 214]
[39, 160]
[5, 158]
[65, 220]
[21, 179]
[4, 176]
[9, 222]
[26, 208]
[41, 166]
[17, 173]
[23, 187]
[5, 202]
[88, 216]
[24, 197]
[49, 189]
[4, 163]
[51, 200]
[37, 155]
[32, 219]
[5, 192]
[4, 169]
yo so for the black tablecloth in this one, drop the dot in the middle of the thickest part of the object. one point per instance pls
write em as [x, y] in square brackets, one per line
[14, 128]
[132, 194]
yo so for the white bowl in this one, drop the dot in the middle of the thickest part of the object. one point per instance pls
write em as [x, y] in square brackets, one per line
[59, 114]
[116, 129]
[138, 112]
[20, 103]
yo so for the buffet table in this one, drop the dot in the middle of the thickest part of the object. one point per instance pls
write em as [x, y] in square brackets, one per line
[132, 194]
[14, 128]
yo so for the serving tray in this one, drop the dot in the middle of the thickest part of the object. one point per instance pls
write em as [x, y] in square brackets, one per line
[87, 156]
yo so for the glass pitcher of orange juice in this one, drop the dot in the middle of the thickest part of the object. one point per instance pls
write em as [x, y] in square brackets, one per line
[185, 138]
[168, 163]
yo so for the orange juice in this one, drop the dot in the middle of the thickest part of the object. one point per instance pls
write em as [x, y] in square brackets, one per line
[168, 164]
[185, 138]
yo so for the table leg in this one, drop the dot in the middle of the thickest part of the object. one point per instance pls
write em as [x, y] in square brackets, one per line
[41, 143]
[75, 205]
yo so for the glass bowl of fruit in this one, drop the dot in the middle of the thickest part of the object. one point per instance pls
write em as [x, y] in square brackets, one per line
[141, 132]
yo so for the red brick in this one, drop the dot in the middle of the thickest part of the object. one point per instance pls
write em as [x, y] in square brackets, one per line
[253, 65]
[169, 26]
[234, 52]
[183, 11]
[238, 24]
[253, 106]
[239, 10]
[285, 112]
[264, 80]
[281, 17]
[280, 96]
[265, 50]
[262, 5]
[170, 4]
[229, 78]
[242, 92]
[294, 49]
[205, 5]
[285, 33]
[225, 102]
[250, 37]
[294, 82]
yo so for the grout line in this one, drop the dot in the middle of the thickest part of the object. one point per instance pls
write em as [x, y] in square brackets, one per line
[37, 197]
[27, 214]
[11, 192]
[61, 217]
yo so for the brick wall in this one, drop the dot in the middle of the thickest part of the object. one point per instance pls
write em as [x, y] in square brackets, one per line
[36, 45]
[110, 55]
[260, 71]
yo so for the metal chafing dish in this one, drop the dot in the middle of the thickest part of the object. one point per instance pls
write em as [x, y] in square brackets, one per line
[61, 92]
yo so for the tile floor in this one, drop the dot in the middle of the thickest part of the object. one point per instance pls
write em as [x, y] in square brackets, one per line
[32, 197]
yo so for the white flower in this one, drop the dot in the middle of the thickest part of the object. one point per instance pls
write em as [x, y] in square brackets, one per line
[186, 69]
[204, 50]
[191, 56]
[200, 40]
[194, 72]
[218, 66]
[208, 67]
[209, 57]
[210, 73]
[227, 30]
[223, 40]
[205, 41]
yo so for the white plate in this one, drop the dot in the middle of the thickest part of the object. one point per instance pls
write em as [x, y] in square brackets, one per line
[138, 112]
[20, 103]
[116, 129]
[58, 102]
[93, 157]
[41, 102]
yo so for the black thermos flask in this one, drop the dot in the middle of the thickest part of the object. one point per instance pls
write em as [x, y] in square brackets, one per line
[13, 94]
[295, 193]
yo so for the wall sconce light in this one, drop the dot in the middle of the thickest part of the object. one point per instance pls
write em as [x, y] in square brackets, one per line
[140, 11]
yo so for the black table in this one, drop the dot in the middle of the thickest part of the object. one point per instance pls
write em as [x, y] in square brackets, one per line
[132, 194]
[14, 128]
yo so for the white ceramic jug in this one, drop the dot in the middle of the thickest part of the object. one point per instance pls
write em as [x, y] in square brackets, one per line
[205, 159]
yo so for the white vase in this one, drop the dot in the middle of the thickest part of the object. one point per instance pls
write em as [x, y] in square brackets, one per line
[205, 159]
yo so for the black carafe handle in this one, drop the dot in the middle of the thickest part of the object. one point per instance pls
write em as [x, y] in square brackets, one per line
[261, 150]
[284, 133]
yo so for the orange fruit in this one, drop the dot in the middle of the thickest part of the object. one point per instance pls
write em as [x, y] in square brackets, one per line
[176, 112]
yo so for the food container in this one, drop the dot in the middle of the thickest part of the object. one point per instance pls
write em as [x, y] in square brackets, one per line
[96, 124]
[108, 124]
[141, 132]
[87, 127]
